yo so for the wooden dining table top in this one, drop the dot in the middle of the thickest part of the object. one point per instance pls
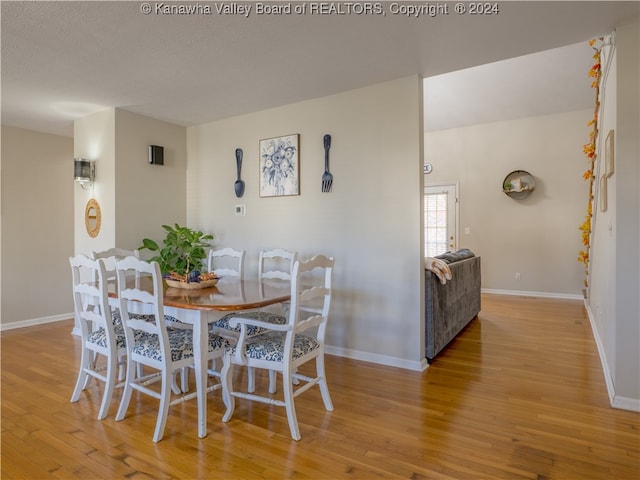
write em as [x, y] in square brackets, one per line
[229, 294]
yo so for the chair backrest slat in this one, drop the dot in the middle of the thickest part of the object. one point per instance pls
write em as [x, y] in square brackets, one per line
[227, 270]
[111, 255]
[280, 262]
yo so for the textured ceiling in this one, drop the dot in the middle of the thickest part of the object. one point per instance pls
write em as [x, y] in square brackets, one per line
[63, 60]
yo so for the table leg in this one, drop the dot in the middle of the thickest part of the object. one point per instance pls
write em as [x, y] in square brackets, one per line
[200, 347]
[199, 320]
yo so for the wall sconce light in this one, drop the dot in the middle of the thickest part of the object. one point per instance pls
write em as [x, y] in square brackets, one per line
[84, 172]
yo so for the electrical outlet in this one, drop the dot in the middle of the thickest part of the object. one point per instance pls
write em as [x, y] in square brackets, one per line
[517, 275]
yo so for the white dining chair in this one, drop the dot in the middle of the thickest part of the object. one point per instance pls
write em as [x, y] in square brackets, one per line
[101, 333]
[286, 347]
[276, 265]
[109, 257]
[226, 262]
[151, 343]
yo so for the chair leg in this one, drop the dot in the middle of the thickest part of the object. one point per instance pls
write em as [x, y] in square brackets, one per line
[213, 365]
[287, 386]
[251, 380]
[226, 378]
[81, 382]
[324, 387]
[126, 395]
[121, 368]
[272, 381]
[184, 379]
[92, 360]
[112, 366]
[175, 388]
[165, 400]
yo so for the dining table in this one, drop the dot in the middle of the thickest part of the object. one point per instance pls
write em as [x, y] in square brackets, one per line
[197, 307]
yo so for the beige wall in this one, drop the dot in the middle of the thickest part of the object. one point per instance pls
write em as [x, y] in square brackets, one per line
[538, 236]
[37, 226]
[370, 222]
[148, 196]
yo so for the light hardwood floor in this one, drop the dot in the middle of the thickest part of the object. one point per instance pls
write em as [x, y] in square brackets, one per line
[518, 395]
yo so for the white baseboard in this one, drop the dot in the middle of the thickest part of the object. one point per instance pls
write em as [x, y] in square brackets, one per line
[615, 401]
[35, 321]
[524, 293]
[625, 403]
[379, 359]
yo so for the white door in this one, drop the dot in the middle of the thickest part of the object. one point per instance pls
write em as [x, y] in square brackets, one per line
[440, 219]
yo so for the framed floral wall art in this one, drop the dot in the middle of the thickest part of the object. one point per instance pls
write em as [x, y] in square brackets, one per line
[280, 166]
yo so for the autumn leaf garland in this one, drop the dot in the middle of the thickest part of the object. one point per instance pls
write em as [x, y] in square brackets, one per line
[589, 150]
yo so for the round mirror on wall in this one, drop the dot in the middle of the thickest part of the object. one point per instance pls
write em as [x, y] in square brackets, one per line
[92, 217]
[518, 184]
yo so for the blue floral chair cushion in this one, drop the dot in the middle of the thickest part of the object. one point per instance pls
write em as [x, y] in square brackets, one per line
[115, 316]
[180, 344]
[147, 317]
[252, 330]
[270, 346]
[99, 337]
[172, 322]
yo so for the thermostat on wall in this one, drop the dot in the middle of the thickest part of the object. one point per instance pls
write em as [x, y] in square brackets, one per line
[240, 210]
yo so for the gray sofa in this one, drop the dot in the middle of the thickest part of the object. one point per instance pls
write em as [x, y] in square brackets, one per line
[450, 307]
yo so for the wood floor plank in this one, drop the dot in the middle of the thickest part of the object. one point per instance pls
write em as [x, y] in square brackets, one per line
[518, 395]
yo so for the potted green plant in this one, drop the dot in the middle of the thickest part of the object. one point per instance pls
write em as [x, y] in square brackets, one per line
[181, 256]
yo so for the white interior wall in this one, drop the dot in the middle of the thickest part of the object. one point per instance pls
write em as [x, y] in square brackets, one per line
[37, 225]
[370, 222]
[537, 236]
